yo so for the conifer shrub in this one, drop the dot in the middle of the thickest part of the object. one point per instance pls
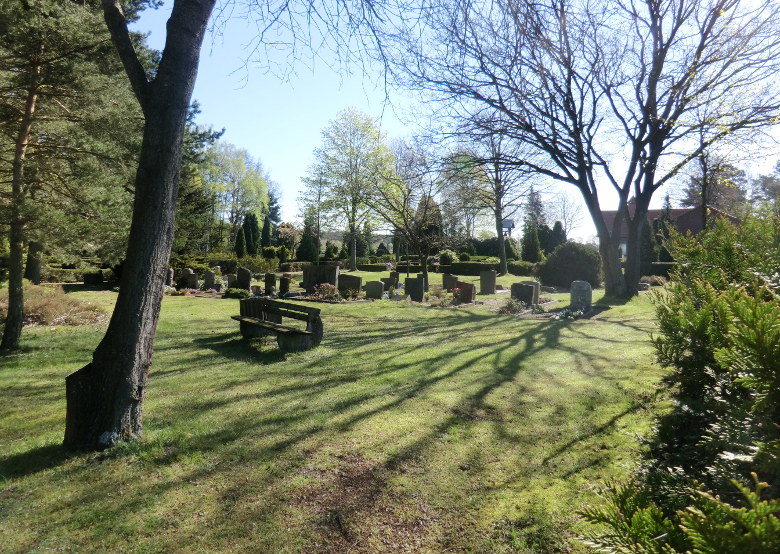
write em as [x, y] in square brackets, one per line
[571, 261]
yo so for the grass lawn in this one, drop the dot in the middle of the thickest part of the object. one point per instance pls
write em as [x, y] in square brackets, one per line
[410, 429]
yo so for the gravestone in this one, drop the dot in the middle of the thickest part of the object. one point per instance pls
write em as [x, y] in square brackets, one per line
[208, 280]
[388, 282]
[487, 282]
[375, 289]
[188, 279]
[468, 292]
[521, 292]
[448, 281]
[231, 280]
[243, 278]
[425, 283]
[270, 283]
[314, 275]
[415, 288]
[581, 295]
[350, 282]
[169, 277]
[394, 279]
[284, 284]
[535, 286]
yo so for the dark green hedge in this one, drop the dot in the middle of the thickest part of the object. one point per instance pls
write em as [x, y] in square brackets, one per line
[471, 268]
[525, 269]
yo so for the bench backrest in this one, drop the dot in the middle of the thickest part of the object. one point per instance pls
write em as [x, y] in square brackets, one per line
[260, 307]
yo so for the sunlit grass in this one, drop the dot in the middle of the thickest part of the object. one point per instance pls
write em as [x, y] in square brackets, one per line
[410, 428]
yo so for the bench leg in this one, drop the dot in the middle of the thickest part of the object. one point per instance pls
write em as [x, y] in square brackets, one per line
[293, 342]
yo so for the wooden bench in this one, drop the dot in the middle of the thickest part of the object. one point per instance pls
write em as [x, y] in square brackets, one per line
[260, 317]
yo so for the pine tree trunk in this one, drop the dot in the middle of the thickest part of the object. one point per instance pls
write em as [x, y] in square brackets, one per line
[12, 332]
[105, 397]
[32, 271]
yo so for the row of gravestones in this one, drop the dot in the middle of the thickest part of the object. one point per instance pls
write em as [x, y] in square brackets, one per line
[581, 294]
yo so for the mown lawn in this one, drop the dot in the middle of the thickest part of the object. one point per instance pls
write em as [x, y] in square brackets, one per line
[410, 429]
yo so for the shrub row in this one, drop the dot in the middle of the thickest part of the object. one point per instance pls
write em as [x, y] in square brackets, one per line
[471, 268]
[521, 268]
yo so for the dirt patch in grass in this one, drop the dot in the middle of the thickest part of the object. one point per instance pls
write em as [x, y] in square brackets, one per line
[355, 509]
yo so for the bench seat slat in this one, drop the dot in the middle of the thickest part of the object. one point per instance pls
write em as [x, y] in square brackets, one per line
[269, 325]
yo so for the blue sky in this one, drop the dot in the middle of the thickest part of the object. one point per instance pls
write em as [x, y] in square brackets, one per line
[277, 120]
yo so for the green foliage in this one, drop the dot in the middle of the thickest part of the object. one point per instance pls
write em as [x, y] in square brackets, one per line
[265, 238]
[569, 262]
[236, 293]
[240, 246]
[464, 256]
[283, 253]
[521, 268]
[309, 247]
[382, 250]
[251, 234]
[532, 250]
[512, 306]
[472, 268]
[446, 257]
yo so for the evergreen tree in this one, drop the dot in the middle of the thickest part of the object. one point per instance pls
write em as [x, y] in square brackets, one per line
[648, 251]
[265, 239]
[251, 234]
[535, 208]
[559, 234]
[532, 251]
[240, 247]
[661, 228]
[546, 242]
[309, 248]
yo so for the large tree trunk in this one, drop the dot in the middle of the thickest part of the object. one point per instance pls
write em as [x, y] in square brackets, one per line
[503, 268]
[12, 332]
[32, 271]
[105, 398]
[353, 248]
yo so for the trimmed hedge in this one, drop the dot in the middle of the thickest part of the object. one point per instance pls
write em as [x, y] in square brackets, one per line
[471, 268]
[524, 269]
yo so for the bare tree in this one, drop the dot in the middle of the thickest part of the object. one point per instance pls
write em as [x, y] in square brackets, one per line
[405, 200]
[568, 211]
[602, 93]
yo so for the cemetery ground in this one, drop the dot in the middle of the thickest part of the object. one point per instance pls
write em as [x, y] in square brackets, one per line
[410, 428]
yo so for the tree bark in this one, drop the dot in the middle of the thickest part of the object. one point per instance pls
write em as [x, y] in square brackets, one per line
[105, 397]
[503, 268]
[32, 271]
[12, 332]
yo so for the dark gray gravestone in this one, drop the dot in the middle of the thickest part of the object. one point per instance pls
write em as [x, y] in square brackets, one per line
[581, 295]
[284, 284]
[468, 292]
[374, 289]
[388, 283]
[243, 278]
[535, 286]
[350, 282]
[314, 275]
[169, 277]
[415, 288]
[487, 282]
[270, 283]
[395, 279]
[208, 280]
[188, 279]
[448, 281]
[524, 293]
[231, 280]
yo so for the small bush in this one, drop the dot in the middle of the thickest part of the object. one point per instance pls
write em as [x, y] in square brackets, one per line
[569, 262]
[512, 306]
[464, 257]
[236, 293]
[51, 306]
[653, 280]
[446, 257]
[326, 291]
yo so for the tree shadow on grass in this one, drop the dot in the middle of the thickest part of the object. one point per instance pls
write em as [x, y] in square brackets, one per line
[232, 346]
[33, 461]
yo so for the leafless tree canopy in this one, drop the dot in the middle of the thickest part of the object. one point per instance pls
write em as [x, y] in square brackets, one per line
[602, 93]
